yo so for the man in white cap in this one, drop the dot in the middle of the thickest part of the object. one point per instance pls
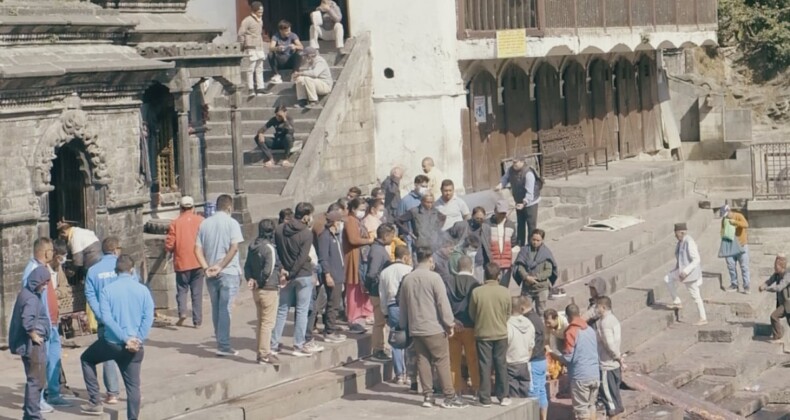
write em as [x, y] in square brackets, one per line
[180, 242]
[313, 79]
[688, 270]
[735, 223]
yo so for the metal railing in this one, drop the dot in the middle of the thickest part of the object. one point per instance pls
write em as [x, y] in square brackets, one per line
[771, 171]
[481, 18]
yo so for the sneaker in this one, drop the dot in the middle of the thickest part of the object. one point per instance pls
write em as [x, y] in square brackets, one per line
[58, 402]
[381, 355]
[301, 352]
[454, 402]
[504, 402]
[45, 408]
[313, 347]
[746, 291]
[357, 329]
[701, 322]
[311, 105]
[92, 409]
[181, 321]
[484, 404]
[262, 92]
[334, 338]
[111, 399]
[276, 79]
[270, 359]
[228, 353]
[400, 380]
[428, 401]
[732, 289]
[558, 292]
[413, 388]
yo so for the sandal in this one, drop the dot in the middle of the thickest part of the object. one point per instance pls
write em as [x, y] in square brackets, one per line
[286, 164]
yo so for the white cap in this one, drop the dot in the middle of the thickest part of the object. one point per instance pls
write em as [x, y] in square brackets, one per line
[187, 202]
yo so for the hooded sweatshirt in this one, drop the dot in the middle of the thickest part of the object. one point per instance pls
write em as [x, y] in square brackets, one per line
[29, 314]
[520, 340]
[262, 264]
[581, 351]
[293, 240]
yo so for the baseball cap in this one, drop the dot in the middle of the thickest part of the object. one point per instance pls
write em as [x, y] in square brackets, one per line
[502, 206]
[599, 284]
[187, 202]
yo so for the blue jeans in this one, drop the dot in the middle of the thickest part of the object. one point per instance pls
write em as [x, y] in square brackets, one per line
[537, 386]
[53, 349]
[221, 290]
[298, 292]
[393, 320]
[109, 371]
[743, 260]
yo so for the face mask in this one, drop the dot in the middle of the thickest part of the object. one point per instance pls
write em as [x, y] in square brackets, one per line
[471, 252]
[422, 190]
[360, 214]
[340, 226]
[380, 214]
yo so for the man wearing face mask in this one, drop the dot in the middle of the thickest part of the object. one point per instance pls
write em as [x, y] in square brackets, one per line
[330, 257]
[294, 240]
[412, 199]
[470, 247]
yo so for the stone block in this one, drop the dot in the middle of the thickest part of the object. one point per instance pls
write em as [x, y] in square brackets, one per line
[717, 335]
[164, 299]
[762, 330]
[658, 412]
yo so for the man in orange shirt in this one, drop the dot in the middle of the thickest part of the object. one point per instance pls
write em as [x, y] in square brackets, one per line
[181, 237]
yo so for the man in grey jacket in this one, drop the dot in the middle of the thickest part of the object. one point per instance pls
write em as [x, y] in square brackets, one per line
[313, 79]
[426, 315]
[608, 331]
[378, 258]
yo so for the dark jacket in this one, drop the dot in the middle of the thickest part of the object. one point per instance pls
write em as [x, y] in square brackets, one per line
[377, 261]
[539, 351]
[459, 291]
[330, 257]
[780, 283]
[293, 241]
[424, 224]
[29, 314]
[263, 265]
[391, 189]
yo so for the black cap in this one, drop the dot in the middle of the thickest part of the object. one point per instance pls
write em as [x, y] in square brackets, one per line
[680, 226]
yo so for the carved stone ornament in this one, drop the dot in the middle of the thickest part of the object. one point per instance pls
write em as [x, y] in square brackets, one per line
[71, 125]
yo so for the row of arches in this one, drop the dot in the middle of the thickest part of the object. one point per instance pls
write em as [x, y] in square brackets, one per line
[615, 102]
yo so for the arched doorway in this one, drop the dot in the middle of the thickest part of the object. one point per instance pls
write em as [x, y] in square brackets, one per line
[295, 11]
[627, 105]
[70, 199]
[648, 95]
[601, 102]
[481, 161]
[547, 95]
[520, 120]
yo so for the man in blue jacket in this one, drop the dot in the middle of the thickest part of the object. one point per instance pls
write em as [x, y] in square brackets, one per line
[99, 276]
[127, 310]
[30, 328]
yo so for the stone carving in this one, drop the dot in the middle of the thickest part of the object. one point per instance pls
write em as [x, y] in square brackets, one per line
[71, 125]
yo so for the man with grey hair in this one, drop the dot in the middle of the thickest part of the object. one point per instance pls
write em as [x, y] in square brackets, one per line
[435, 176]
[779, 283]
[313, 79]
[391, 188]
[688, 271]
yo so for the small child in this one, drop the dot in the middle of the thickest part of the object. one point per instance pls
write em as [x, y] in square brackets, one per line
[521, 341]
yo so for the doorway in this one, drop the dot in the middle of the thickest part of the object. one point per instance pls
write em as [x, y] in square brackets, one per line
[295, 11]
[70, 179]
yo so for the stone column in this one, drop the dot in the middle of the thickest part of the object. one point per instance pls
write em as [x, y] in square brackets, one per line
[185, 152]
[241, 213]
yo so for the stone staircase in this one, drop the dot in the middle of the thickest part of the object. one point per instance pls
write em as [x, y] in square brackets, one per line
[262, 185]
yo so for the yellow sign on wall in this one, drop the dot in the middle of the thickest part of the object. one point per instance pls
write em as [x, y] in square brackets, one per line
[511, 43]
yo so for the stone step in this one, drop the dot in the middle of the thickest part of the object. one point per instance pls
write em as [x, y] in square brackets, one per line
[267, 205]
[634, 401]
[662, 348]
[723, 334]
[251, 173]
[745, 403]
[658, 412]
[558, 227]
[253, 112]
[385, 400]
[709, 388]
[301, 394]
[249, 128]
[251, 186]
[222, 143]
[573, 211]
[772, 412]
[773, 382]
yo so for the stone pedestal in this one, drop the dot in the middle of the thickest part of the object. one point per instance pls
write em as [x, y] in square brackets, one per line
[161, 276]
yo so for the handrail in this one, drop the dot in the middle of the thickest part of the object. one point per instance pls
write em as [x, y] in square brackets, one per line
[482, 18]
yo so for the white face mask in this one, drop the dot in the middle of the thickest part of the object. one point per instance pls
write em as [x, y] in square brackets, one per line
[340, 227]
[360, 214]
[422, 190]
[380, 214]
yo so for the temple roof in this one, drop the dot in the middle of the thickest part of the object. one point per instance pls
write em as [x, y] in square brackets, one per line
[170, 28]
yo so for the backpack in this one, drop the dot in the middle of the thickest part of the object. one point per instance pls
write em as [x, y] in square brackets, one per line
[538, 182]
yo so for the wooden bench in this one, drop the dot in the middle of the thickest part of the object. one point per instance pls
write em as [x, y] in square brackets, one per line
[565, 144]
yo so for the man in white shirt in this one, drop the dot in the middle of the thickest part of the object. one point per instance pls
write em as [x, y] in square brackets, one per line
[389, 284]
[688, 270]
[454, 208]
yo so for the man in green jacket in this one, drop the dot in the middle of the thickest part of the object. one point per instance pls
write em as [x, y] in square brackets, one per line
[489, 308]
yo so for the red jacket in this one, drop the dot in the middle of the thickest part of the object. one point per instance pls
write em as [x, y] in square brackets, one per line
[181, 237]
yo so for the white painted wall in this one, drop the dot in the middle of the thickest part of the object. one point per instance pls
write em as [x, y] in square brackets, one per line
[418, 110]
[218, 13]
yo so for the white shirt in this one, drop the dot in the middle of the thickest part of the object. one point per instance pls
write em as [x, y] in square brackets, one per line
[389, 282]
[454, 210]
[500, 230]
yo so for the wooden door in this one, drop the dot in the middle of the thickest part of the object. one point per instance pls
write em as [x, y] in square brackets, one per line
[576, 101]
[520, 120]
[550, 107]
[486, 143]
[628, 116]
[601, 98]
[648, 94]
[68, 200]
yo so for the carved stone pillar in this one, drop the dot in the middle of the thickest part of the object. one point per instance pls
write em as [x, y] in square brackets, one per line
[43, 218]
[185, 152]
[241, 212]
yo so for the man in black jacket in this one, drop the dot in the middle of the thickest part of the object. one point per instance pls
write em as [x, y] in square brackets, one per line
[330, 257]
[378, 259]
[293, 240]
[263, 273]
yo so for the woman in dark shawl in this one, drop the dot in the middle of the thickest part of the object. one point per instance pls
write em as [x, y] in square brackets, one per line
[536, 270]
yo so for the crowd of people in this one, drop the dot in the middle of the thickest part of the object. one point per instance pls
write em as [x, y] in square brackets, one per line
[431, 269]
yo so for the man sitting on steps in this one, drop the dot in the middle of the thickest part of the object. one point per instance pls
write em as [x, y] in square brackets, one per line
[283, 137]
[326, 24]
[313, 79]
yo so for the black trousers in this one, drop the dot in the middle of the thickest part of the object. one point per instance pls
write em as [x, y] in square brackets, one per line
[526, 222]
[36, 379]
[491, 355]
[130, 365]
[334, 304]
[318, 306]
[518, 380]
[281, 62]
[609, 392]
[285, 143]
